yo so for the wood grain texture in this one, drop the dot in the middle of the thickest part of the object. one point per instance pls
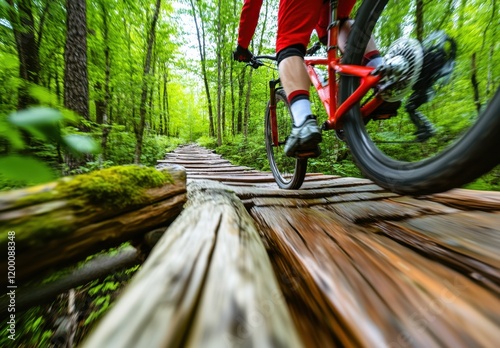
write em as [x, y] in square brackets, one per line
[363, 267]
[208, 282]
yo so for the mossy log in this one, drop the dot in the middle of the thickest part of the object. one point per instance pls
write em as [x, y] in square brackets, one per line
[67, 220]
[208, 282]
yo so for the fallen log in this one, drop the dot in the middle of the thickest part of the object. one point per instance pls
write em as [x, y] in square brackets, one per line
[208, 282]
[52, 225]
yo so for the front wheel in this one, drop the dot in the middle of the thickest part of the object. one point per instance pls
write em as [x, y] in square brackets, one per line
[288, 172]
[462, 110]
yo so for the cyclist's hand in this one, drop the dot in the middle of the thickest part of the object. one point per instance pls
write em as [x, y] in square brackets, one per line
[242, 54]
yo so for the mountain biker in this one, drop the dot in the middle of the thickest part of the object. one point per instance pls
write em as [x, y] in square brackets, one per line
[296, 21]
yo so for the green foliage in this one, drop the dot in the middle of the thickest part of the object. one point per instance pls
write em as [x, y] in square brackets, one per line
[36, 326]
[208, 142]
[43, 124]
[121, 145]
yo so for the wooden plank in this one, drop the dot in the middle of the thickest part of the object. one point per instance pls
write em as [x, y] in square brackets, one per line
[338, 182]
[218, 169]
[369, 290]
[203, 165]
[247, 193]
[208, 282]
[469, 199]
[365, 212]
[234, 178]
[204, 162]
[468, 241]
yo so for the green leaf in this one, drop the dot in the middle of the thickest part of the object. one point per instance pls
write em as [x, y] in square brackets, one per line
[26, 169]
[80, 144]
[70, 115]
[12, 135]
[35, 117]
[43, 95]
[41, 122]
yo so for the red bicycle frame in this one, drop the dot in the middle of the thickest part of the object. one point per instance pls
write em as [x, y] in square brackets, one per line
[328, 93]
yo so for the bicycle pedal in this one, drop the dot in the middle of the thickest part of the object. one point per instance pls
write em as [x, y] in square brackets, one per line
[308, 154]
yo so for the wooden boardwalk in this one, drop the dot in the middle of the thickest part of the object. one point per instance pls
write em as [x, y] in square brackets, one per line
[340, 262]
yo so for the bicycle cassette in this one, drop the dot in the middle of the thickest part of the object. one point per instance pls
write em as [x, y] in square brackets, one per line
[401, 69]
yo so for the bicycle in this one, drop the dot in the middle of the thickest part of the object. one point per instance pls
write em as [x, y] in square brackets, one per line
[429, 162]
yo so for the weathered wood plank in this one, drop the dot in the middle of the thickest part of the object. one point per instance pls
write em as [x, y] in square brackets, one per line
[465, 241]
[201, 161]
[469, 199]
[208, 282]
[369, 290]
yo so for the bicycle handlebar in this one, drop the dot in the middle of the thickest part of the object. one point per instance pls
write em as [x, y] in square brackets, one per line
[256, 61]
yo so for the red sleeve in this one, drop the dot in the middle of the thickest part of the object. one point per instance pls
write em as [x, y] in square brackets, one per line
[345, 8]
[248, 21]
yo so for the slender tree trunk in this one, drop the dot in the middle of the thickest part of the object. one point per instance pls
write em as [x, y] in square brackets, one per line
[249, 88]
[241, 90]
[201, 47]
[144, 94]
[219, 76]
[165, 102]
[475, 83]
[76, 86]
[106, 121]
[23, 24]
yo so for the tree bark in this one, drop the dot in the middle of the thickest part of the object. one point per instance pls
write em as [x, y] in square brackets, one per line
[475, 83]
[76, 86]
[23, 24]
[147, 66]
[201, 48]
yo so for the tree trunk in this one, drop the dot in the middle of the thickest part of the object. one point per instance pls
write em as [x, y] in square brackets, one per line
[201, 48]
[76, 86]
[219, 74]
[165, 102]
[475, 83]
[241, 90]
[106, 121]
[23, 25]
[144, 94]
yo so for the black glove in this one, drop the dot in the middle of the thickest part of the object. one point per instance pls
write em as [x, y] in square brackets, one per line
[242, 54]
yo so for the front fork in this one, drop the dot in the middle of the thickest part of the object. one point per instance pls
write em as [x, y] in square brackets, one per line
[272, 111]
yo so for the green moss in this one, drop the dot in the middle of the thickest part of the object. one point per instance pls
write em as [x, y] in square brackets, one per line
[113, 188]
[116, 186]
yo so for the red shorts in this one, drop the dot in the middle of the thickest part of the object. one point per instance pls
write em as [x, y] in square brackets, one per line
[298, 18]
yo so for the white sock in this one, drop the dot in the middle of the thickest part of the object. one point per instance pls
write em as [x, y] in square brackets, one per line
[300, 110]
[375, 62]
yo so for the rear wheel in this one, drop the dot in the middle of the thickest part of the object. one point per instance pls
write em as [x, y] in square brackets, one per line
[288, 172]
[464, 113]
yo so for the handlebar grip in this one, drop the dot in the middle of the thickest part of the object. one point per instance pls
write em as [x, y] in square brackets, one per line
[255, 63]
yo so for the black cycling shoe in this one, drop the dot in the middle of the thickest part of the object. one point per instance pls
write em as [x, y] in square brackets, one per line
[303, 140]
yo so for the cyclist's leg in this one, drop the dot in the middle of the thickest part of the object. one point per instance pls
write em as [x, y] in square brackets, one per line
[296, 21]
